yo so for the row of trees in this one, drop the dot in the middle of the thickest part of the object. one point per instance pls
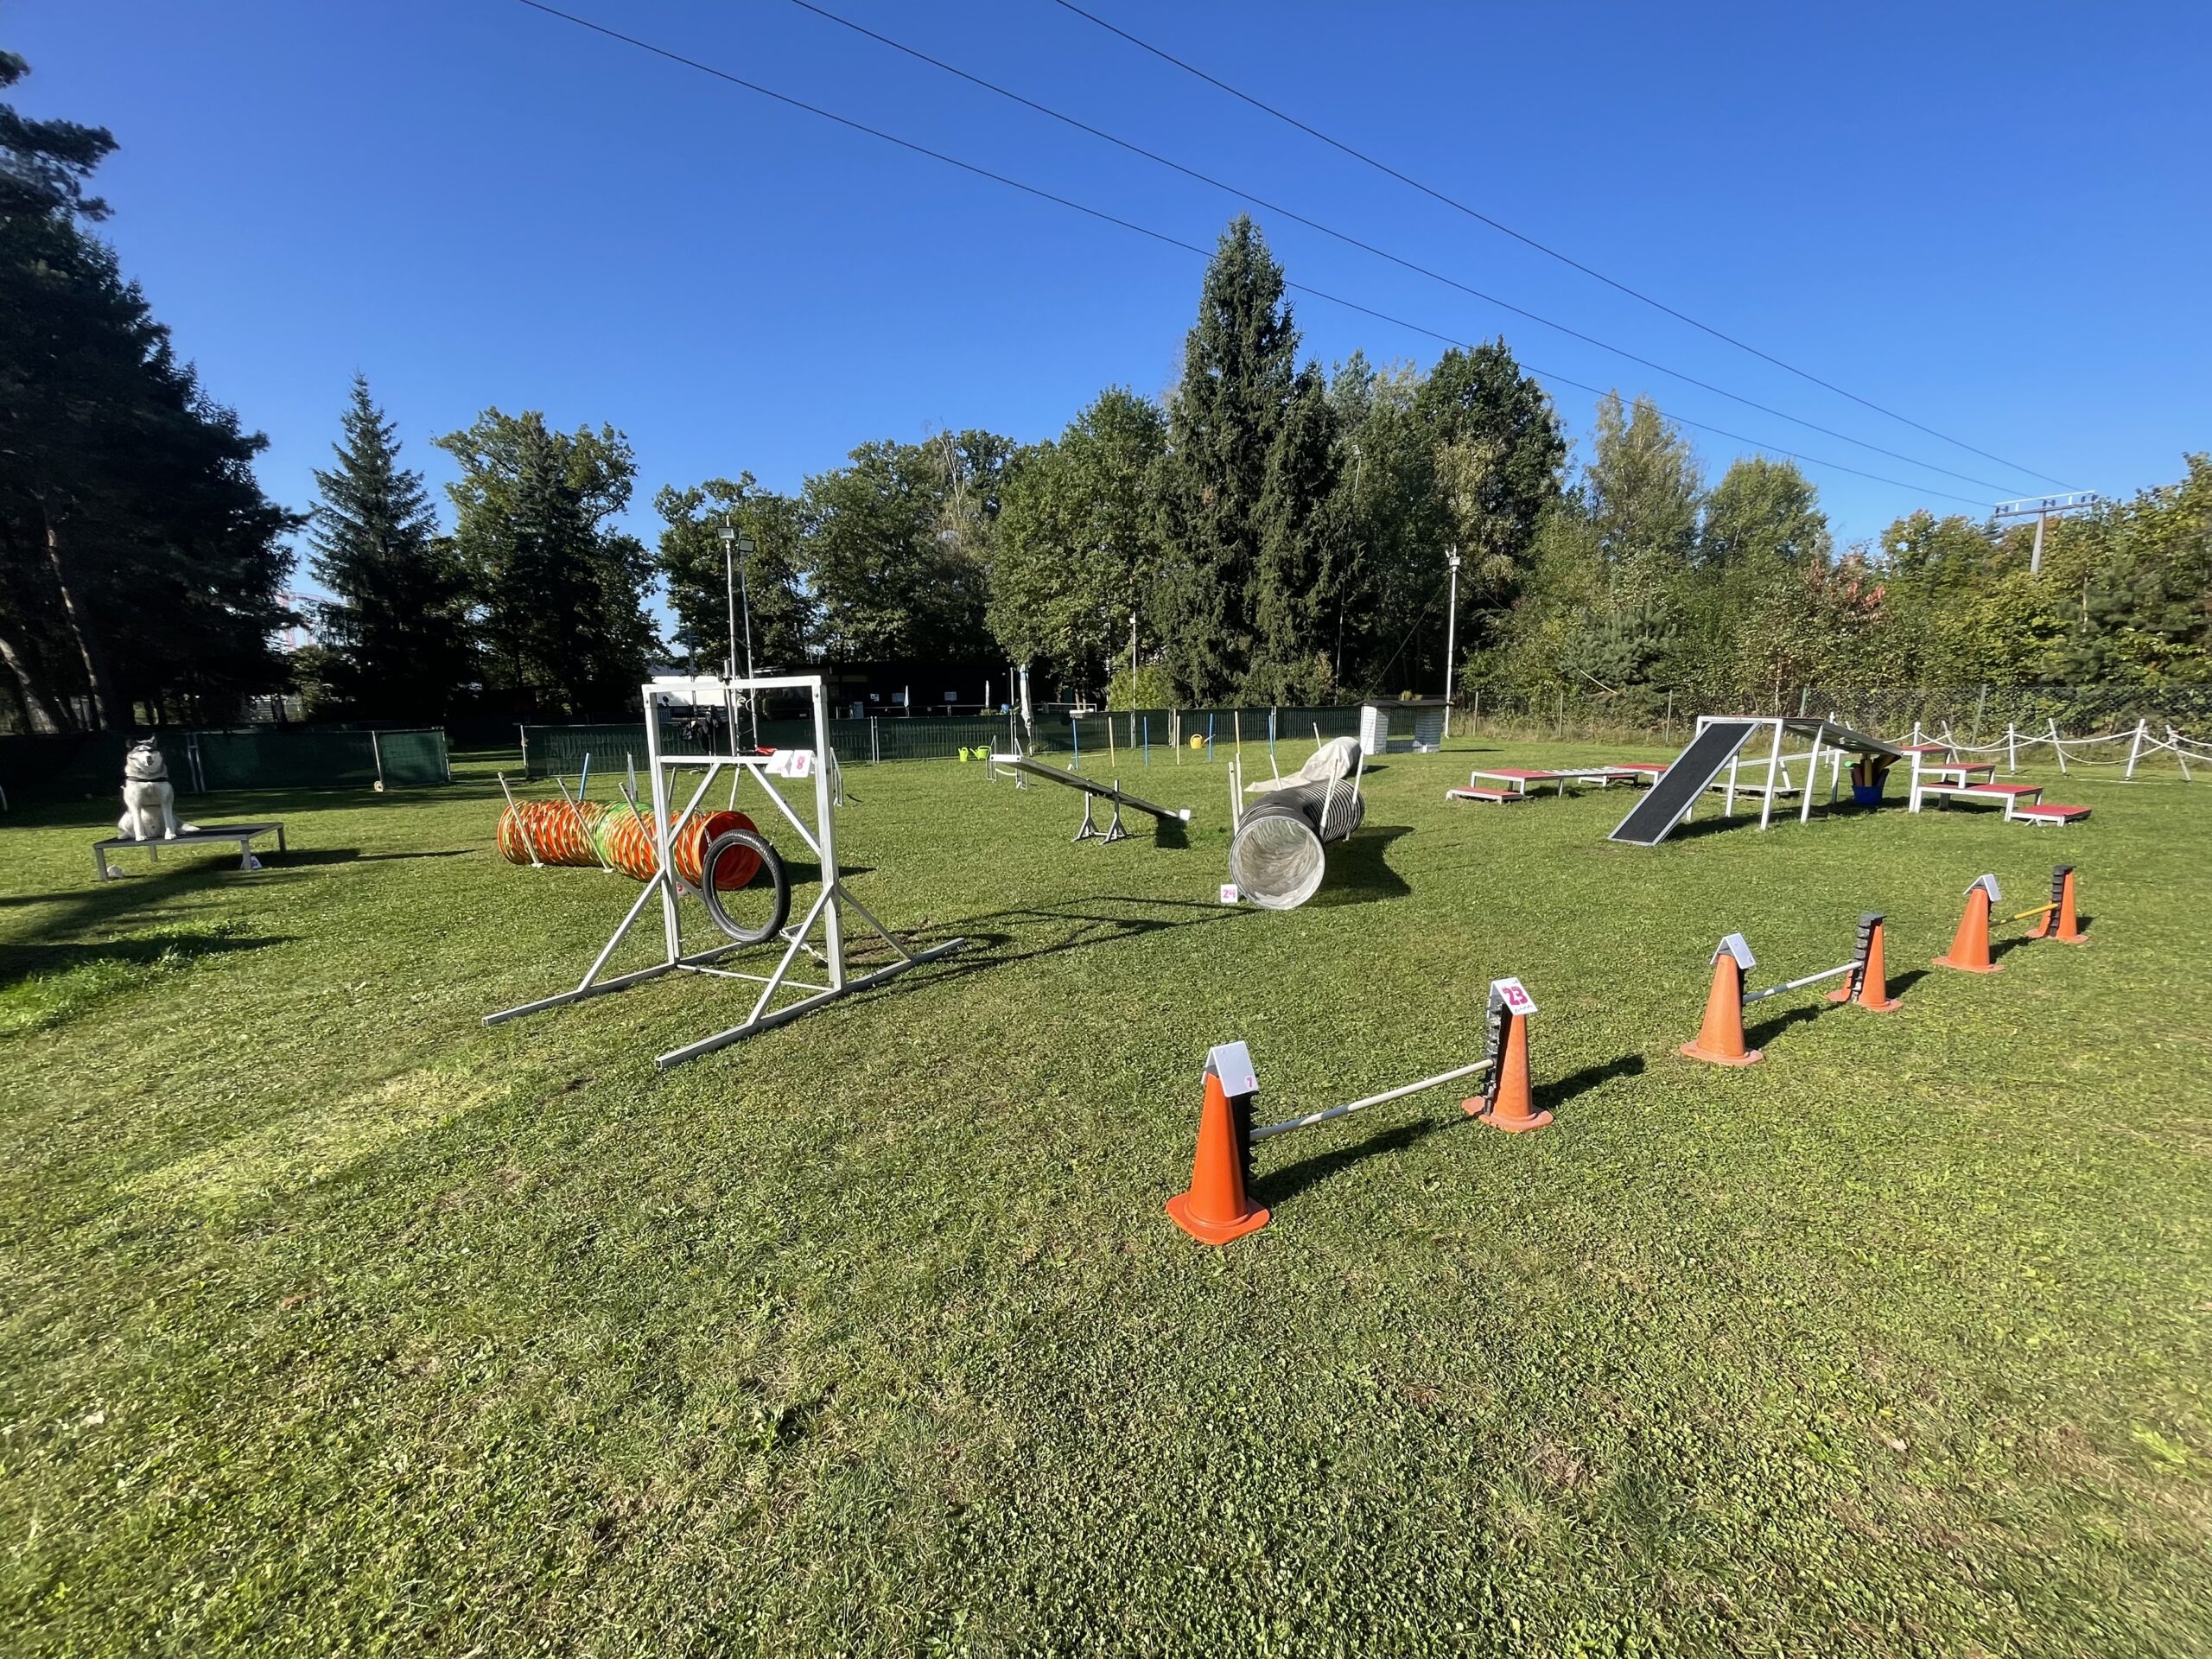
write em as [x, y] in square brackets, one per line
[1267, 532]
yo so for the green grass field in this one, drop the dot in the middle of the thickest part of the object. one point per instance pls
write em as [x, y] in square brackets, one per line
[336, 1322]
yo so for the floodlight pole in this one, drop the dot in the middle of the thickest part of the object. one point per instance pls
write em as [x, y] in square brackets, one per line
[737, 552]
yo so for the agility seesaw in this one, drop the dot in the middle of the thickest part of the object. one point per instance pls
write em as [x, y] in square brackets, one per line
[1093, 791]
[1969, 951]
[1217, 1206]
[1720, 1037]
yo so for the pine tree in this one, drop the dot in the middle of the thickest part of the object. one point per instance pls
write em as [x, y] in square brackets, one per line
[1300, 552]
[393, 627]
[1239, 366]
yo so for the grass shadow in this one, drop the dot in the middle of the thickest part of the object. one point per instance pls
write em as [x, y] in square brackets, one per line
[20, 962]
[1359, 870]
[1091, 926]
[1759, 1036]
[1278, 1186]
[1552, 1095]
[1899, 984]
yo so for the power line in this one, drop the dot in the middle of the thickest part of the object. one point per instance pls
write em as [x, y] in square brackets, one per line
[1104, 216]
[1504, 229]
[1350, 240]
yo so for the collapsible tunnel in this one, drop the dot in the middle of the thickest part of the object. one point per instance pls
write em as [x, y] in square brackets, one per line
[1276, 857]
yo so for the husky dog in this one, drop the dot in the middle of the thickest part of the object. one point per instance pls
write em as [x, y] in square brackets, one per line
[149, 803]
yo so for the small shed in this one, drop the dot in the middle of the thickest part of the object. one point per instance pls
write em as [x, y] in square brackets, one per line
[1402, 726]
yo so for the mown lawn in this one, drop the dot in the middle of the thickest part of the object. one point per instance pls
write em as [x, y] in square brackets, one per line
[336, 1322]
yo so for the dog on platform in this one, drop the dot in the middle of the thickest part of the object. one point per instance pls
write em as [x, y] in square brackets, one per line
[148, 802]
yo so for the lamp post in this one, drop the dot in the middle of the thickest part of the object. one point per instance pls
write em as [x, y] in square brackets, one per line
[1450, 632]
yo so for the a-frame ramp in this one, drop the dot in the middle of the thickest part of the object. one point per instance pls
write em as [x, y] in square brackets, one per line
[1663, 806]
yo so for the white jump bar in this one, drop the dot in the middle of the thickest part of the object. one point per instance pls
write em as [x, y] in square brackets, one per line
[1312, 1118]
[1799, 984]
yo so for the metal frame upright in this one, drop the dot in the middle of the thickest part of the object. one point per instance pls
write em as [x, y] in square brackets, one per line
[820, 839]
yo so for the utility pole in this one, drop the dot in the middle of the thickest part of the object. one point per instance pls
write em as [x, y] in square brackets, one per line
[1451, 632]
[2043, 509]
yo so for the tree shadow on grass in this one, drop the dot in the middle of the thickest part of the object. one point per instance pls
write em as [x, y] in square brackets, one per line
[1359, 871]
[992, 935]
[1277, 1187]
[19, 961]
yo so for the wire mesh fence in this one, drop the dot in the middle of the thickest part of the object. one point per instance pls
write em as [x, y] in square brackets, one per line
[1147, 736]
[294, 757]
[83, 766]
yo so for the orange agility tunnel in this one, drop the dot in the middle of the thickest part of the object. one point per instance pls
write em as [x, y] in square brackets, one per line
[590, 836]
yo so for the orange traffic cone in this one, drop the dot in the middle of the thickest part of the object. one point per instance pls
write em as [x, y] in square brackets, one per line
[1873, 991]
[1508, 1105]
[1216, 1210]
[2060, 923]
[1720, 1038]
[1969, 951]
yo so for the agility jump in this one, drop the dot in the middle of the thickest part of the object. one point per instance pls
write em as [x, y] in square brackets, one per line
[1020, 764]
[1969, 952]
[1720, 1037]
[1217, 1206]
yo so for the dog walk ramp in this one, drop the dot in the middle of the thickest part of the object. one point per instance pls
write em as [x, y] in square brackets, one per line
[1655, 815]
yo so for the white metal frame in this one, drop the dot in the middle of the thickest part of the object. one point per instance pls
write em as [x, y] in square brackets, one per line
[821, 840]
[1778, 767]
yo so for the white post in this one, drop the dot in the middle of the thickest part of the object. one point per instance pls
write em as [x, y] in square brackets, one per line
[1812, 771]
[2057, 747]
[2135, 749]
[825, 831]
[1773, 766]
[2011, 751]
[2181, 755]
[1450, 637]
[664, 872]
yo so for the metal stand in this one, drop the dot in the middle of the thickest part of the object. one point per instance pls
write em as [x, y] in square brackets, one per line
[1113, 831]
[825, 915]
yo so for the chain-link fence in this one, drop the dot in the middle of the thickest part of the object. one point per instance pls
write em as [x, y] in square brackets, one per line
[1151, 734]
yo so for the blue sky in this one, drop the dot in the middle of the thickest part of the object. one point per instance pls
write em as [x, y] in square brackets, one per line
[1996, 219]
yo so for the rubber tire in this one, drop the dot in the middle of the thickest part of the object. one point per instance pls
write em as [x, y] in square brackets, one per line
[772, 865]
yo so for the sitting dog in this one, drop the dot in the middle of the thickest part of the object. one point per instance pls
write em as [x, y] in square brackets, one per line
[149, 803]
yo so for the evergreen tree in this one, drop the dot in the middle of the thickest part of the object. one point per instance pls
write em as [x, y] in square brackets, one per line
[1239, 368]
[1644, 488]
[139, 561]
[1300, 553]
[560, 595]
[393, 632]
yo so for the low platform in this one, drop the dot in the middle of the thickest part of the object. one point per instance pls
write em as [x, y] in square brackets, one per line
[1514, 783]
[2050, 812]
[241, 836]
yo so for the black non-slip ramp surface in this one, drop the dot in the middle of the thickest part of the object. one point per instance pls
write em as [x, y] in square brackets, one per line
[1663, 806]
